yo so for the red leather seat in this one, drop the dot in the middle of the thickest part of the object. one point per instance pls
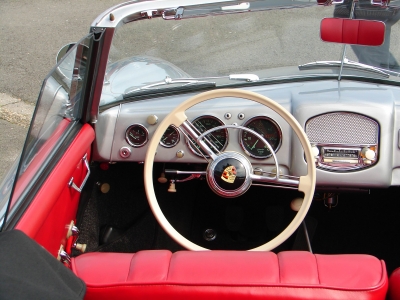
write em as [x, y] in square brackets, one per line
[394, 285]
[159, 274]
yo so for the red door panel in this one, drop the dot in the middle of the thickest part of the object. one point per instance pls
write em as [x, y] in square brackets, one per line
[56, 203]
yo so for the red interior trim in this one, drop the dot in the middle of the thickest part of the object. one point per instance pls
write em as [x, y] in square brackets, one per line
[55, 204]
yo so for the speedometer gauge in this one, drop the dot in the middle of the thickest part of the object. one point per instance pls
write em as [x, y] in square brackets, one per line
[268, 129]
[218, 138]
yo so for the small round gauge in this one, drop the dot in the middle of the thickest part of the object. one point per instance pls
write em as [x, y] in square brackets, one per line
[170, 137]
[137, 135]
[268, 129]
[218, 138]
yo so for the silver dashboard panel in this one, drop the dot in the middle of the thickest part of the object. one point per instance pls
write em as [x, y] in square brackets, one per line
[304, 100]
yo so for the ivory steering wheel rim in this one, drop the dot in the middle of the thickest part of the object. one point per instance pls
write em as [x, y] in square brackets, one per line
[177, 117]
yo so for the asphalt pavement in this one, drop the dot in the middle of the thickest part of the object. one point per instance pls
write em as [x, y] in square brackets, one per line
[31, 33]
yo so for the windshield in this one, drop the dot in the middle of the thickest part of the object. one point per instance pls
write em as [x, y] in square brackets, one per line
[215, 44]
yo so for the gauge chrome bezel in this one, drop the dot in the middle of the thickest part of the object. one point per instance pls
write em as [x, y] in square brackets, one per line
[130, 142]
[248, 121]
[177, 141]
[189, 144]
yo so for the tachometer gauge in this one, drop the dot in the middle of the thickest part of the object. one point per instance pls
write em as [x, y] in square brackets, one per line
[170, 137]
[268, 129]
[218, 138]
[137, 135]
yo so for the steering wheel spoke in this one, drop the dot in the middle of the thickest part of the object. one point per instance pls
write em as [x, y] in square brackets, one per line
[196, 138]
[277, 180]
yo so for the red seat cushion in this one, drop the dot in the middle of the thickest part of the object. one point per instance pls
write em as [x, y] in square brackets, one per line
[159, 274]
[394, 285]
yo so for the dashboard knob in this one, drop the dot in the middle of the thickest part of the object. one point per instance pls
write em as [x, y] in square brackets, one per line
[162, 178]
[180, 154]
[172, 188]
[368, 153]
[152, 119]
[273, 172]
[296, 204]
[315, 151]
[258, 171]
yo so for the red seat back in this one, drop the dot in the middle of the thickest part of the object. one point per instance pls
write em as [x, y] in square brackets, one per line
[159, 274]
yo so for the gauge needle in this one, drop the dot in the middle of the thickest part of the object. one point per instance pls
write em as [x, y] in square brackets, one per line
[167, 136]
[254, 145]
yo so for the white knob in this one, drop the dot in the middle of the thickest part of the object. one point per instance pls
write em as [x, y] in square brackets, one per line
[368, 153]
[152, 119]
[172, 188]
[315, 151]
[296, 204]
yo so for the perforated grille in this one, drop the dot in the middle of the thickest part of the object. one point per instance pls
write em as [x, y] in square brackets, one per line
[342, 128]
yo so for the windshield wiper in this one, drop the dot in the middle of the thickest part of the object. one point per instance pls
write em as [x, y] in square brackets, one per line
[184, 84]
[169, 81]
[166, 89]
[348, 64]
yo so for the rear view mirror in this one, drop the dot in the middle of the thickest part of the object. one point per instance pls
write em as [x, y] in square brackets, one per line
[355, 32]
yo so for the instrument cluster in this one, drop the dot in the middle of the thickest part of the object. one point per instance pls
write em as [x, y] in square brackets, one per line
[137, 136]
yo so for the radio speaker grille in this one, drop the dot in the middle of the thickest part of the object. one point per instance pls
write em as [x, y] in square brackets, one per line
[342, 128]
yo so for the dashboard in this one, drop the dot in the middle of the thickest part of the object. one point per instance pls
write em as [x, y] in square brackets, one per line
[353, 128]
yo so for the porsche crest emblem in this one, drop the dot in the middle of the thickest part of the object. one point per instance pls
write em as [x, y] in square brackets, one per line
[229, 174]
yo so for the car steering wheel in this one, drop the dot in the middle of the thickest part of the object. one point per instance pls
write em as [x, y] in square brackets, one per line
[236, 166]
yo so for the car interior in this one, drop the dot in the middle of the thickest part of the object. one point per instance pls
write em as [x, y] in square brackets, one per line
[161, 196]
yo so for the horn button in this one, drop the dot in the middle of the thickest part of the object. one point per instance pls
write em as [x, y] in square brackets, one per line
[229, 175]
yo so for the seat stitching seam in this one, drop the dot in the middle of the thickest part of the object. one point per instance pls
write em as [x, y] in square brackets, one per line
[169, 266]
[316, 262]
[129, 270]
[279, 269]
